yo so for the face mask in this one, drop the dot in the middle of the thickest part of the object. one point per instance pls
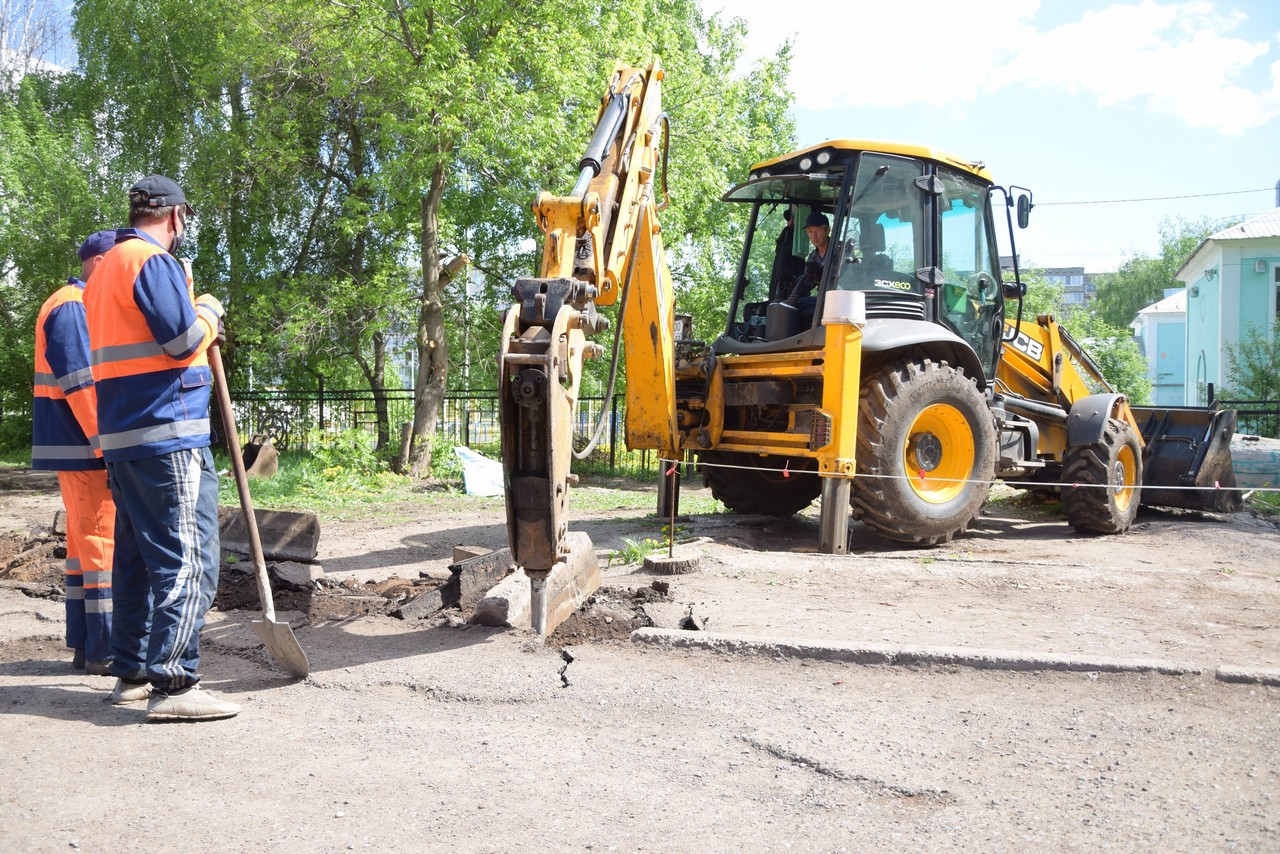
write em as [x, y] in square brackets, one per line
[178, 237]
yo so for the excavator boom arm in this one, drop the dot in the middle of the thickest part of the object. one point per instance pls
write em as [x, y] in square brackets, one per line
[602, 245]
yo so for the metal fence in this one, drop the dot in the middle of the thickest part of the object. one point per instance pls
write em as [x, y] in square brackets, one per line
[1253, 417]
[296, 418]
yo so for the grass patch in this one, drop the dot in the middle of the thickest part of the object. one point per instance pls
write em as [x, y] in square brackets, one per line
[16, 458]
[635, 551]
[345, 478]
[1265, 503]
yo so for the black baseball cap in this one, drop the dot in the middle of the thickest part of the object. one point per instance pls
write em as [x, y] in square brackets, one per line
[816, 218]
[157, 191]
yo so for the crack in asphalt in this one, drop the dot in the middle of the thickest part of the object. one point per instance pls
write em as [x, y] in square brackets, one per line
[788, 755]
[564, 674]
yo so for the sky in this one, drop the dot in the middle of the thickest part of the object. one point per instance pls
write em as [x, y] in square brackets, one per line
[1083, 102]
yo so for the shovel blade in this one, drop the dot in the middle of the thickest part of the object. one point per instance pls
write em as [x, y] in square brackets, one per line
[278, 638]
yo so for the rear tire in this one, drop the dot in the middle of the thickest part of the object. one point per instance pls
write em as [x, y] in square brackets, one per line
[749, 489]
[926, 452]
[1110, 477]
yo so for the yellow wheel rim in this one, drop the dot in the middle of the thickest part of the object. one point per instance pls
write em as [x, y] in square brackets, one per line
[938, 455]
[1123, 477]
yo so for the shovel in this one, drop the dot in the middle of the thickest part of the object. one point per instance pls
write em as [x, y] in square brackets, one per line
[277, 637]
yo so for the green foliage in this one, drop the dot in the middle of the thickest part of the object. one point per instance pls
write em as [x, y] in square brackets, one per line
[344, 471]
[1253, 365]
[50, 199]
[635, 551]
[15, 434]
[1117, 355]
[1265, 503]
[446, 467]
[335, 151]
[1043, 296]
[1141, 280]
[1253, 374]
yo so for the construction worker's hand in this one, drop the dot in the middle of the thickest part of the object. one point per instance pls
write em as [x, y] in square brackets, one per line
[208, 305]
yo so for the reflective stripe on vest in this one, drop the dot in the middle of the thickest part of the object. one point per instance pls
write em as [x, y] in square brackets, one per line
[158, 433]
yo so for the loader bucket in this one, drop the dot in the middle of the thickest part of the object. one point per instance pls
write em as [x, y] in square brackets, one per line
[1188, 446]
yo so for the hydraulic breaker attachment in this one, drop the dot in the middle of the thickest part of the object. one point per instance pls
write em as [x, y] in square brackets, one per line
[1188, 447]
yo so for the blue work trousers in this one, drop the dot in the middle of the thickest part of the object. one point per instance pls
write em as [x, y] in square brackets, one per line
[165, 571]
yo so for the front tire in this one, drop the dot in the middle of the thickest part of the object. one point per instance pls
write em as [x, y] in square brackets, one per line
[1110, 476]
[926, 452]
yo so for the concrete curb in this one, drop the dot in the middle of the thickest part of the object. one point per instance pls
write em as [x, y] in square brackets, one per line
[1247, 675]
[905, 656]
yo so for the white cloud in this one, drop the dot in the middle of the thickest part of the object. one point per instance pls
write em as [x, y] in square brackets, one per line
[1190, 60]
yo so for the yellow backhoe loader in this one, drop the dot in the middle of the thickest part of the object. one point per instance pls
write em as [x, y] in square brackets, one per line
[897, 389]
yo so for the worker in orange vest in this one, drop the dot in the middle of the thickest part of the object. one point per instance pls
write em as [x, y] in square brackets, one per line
[148, 338]
[65, 440]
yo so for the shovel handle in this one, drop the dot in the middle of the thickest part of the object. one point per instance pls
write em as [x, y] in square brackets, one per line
[242, 480]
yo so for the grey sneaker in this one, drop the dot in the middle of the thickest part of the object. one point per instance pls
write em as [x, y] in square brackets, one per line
[190, 704]
[130, 692]
[98, 668]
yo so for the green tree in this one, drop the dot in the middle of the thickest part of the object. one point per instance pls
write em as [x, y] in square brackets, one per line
[1117, 355]
[51, 178]
[478, 111]
[337, 153]
[1253, 371]
[1142, 280]
[1043, 296]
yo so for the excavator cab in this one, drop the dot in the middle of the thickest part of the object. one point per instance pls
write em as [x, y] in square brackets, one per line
[911, 229]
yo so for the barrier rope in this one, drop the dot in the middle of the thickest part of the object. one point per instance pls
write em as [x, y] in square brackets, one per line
[923, 476]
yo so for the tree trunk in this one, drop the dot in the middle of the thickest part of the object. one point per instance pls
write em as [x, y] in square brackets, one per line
[379, 386]
[433, 350]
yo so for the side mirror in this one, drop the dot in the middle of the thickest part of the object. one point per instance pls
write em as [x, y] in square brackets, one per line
[1024, 211]
[1014, 290]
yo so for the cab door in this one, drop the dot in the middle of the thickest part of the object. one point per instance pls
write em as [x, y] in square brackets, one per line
[970, 301]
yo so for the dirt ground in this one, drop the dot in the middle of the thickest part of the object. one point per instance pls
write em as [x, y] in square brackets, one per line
[437, 735]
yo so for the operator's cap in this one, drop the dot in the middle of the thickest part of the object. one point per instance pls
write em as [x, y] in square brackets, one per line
[157, 191]
[98, 243]
[816, 218]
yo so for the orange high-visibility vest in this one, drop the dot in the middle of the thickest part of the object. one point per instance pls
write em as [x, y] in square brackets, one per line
[64, 435]
[148, 343]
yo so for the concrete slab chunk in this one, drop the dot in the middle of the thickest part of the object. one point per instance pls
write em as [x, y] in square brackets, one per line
[422, 605]
[461, 553]
[472, 578]
[300, 576]
[286, 535]
[568, 586]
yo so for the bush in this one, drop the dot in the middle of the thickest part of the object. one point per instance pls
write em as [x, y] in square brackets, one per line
[15, 434]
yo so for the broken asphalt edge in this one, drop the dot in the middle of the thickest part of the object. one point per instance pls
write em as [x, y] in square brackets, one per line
[1248, 675]
[923, 656]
